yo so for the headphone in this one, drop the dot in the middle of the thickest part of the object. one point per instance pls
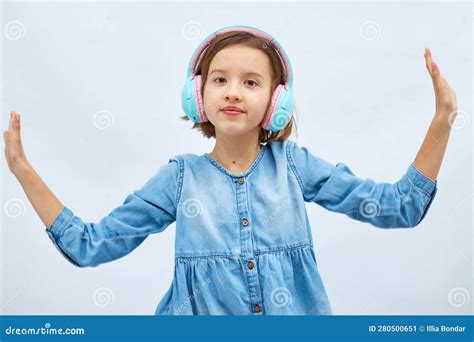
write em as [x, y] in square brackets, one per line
[281, 105]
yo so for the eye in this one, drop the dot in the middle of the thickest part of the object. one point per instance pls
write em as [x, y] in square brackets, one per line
[218, 78]
[255, 83]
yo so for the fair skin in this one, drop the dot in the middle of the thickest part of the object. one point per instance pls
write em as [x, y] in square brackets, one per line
[240, 135]
[231, 82]
[431, 153]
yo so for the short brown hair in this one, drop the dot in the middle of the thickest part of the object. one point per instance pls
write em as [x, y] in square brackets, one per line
[278, 77]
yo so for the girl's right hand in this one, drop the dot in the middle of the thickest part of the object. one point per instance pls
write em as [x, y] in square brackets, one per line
[14, 152]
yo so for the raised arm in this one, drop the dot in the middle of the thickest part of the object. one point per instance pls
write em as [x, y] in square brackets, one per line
[45, 203]
[145, 211]
[401, 204]
[431, 153]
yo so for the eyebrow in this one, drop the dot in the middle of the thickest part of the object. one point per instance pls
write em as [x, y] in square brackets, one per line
[247, 73]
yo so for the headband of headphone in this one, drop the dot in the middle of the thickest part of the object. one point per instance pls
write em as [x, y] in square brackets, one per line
[280, 109]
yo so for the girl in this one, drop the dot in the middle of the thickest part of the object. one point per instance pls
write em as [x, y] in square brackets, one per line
[243, 240]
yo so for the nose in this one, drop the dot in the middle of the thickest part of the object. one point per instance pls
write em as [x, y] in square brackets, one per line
[232, 93]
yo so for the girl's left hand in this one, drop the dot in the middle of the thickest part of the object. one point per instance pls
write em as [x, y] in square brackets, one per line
[446, 103]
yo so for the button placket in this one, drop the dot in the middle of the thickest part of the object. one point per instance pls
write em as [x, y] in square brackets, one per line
[246, 246]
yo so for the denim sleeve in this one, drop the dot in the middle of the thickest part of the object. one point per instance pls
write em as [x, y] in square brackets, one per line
[402, 204]
[145, 211]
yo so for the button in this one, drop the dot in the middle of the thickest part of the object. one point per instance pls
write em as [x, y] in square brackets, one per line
[245, 222]
[241, 181]
[250, 264]
[257, 308]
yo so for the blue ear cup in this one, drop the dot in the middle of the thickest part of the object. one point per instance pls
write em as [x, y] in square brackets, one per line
[283, 111]
[280, 110]
[191, 100]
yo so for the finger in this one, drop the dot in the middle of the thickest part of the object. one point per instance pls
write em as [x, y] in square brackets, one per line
[15, 125]
[428, 55]
[15, 120]
[431, 65]
[427, 61]
[429, 52]
[11, 121]
[435, 70]
[12, 116]
[438, 81]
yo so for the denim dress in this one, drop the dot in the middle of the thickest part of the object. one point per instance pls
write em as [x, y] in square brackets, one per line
[243, 242]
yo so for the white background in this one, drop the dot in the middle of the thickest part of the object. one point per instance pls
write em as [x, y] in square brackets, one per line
[364, 97]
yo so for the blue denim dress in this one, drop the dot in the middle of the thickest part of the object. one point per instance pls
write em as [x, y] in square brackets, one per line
[243, 241]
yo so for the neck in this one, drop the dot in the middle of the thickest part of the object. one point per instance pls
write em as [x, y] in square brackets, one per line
[236, 153]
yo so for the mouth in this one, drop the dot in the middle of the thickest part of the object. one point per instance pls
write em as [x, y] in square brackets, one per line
[232, 110]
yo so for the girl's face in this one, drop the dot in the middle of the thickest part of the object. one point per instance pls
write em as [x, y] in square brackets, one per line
[238, 76]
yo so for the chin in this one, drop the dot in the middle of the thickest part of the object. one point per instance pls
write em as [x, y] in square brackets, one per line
[231, 129]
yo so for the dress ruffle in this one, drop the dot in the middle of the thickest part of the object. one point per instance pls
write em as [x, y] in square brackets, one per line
[217, 285]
